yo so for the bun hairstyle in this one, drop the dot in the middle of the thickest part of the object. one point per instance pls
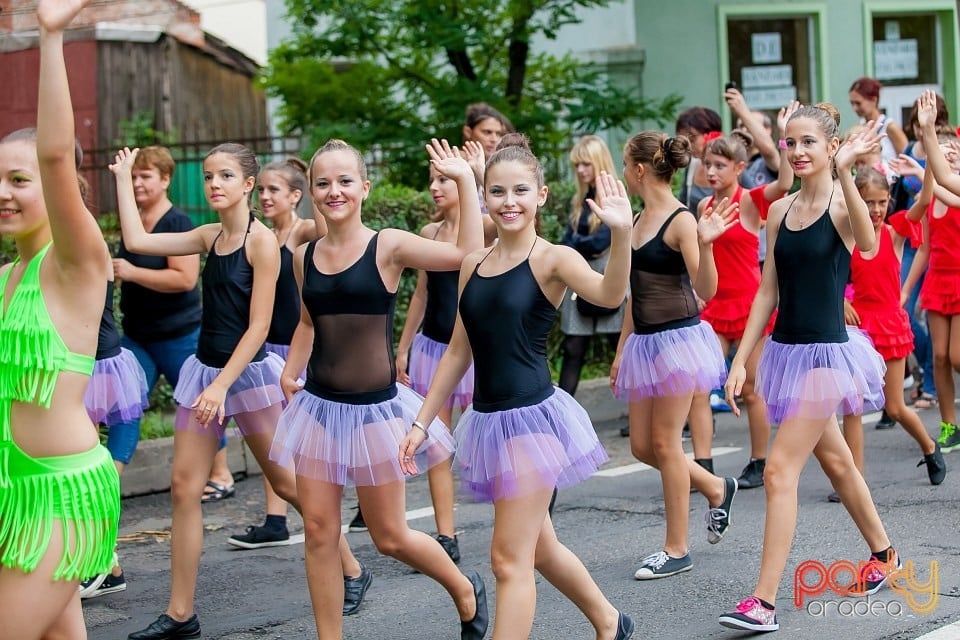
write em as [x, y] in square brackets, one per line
[729, 147]
[515, 147]
[870, 177]
[294, 171]
[824, 114]
[665, 155]
[29, 134]
[339, 145]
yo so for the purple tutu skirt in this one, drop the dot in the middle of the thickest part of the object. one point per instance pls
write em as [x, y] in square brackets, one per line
[507, 454]
[425, 355]
[117, 391]
[282, 350]
[355, 444]
[815, 381]
[674, 362]
[257, 388]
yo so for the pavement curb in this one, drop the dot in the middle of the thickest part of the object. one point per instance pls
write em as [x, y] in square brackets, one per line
[149, 470]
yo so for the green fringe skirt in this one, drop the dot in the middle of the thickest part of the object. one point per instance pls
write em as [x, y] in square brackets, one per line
[79, 494]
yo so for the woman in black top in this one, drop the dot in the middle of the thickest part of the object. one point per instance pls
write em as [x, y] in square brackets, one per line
[524, 436]
[344, 425]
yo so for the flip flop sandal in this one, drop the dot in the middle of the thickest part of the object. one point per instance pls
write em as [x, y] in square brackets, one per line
[220, 492]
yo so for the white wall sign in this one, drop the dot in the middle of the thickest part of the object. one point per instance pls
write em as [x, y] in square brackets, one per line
[769, 98]
[775, 75]
[895, 59]
[891, 30]
[766, 48]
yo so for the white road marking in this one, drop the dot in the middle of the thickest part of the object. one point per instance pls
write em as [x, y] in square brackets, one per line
[623, 470]
[949, 632]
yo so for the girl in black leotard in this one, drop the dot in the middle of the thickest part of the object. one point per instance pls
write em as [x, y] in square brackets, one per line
[523, 436]
[345, 424]
[434, 305]
[812, 367]
[231, 375]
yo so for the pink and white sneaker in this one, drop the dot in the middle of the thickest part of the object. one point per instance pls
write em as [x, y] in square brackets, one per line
[751, 615]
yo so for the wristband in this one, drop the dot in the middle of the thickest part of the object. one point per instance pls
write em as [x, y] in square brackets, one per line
[418, 425]
[782, 144]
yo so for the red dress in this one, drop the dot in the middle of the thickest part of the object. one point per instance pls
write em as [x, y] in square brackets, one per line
[876, 298]
[737, 254]
[941, 286]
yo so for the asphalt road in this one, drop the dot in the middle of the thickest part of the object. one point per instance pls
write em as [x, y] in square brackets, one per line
[611, 522]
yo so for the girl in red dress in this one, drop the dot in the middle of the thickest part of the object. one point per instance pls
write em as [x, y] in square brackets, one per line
[876, 309]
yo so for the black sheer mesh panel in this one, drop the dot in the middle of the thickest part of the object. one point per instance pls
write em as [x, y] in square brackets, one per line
[660, 299]
[352, 353]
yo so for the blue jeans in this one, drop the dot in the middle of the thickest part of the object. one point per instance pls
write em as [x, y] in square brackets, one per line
[921, 334]
[166, 357]
[122, 439]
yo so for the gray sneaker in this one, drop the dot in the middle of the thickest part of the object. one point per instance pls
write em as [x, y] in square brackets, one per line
[660, 565]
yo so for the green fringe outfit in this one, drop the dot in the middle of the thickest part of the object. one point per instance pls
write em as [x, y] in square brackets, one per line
[78, 493]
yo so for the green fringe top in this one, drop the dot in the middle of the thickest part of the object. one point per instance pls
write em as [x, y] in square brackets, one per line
[32, 353]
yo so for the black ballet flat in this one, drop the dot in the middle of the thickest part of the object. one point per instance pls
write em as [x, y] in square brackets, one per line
[625, 627]
[476, 628]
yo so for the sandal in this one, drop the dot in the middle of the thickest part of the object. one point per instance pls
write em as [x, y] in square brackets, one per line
[219, 492]
[925, 400]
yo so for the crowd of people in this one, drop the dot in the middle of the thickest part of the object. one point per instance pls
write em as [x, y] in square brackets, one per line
[783, 275]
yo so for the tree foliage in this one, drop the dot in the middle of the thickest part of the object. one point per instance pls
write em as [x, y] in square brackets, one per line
[390, 74]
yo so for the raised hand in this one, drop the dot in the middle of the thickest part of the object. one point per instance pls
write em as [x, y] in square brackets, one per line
[906, 165]
[736, 102]
[448, 160]
[784, 115]
[56, 15]
[927, 109]
[611, 205]
[716, 220]
[860, 143]
[123, 162]
[473, 154]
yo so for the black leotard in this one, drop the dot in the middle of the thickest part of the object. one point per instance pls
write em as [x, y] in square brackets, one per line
[508, 319]
[108, 339]
[286, 303]
[660, 288]
[227, 291]
[352, 359]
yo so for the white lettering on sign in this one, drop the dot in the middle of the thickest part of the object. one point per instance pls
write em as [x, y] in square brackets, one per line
[895, 59]
[766, 48]
[776, 75]
[769, 98]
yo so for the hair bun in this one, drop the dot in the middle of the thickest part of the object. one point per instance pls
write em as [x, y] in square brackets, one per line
[513, 140]
[297, 164]
[831, 111]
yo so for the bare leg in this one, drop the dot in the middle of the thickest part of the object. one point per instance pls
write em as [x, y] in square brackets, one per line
[322, 553]
[564, 570]
[853, 435]
[386, 506]
[942, 334]
[756, 407]
[838, 463]
[192, 456]
[33, 604]
[441, 486]
[701, 425]
[792, 446]
[898, 410]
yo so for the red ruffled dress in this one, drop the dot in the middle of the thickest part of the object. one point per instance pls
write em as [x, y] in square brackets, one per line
[876, 298]
[941, 286]
[736, 253]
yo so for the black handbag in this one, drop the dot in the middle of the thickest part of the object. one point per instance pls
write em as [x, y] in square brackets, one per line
[590, 310]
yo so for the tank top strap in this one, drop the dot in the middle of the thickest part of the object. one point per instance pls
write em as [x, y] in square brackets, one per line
[308, 257]
[530, 253]
[666, 223]
[484, 258]
[437, 233]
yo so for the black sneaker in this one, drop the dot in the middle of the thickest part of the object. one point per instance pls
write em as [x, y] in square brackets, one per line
[354, 589]
[936, 467]
[660, 565]
[166, 628]
[89, 586]
[110, 584]
[263, 536]
[949, 437]
[451, 546]
[719, 518]
[885, 421]
[752, 475]
[357, 524]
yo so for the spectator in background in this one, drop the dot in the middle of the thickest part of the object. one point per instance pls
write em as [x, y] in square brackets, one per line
[699, 125]
[755, 130]
[865, 99]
